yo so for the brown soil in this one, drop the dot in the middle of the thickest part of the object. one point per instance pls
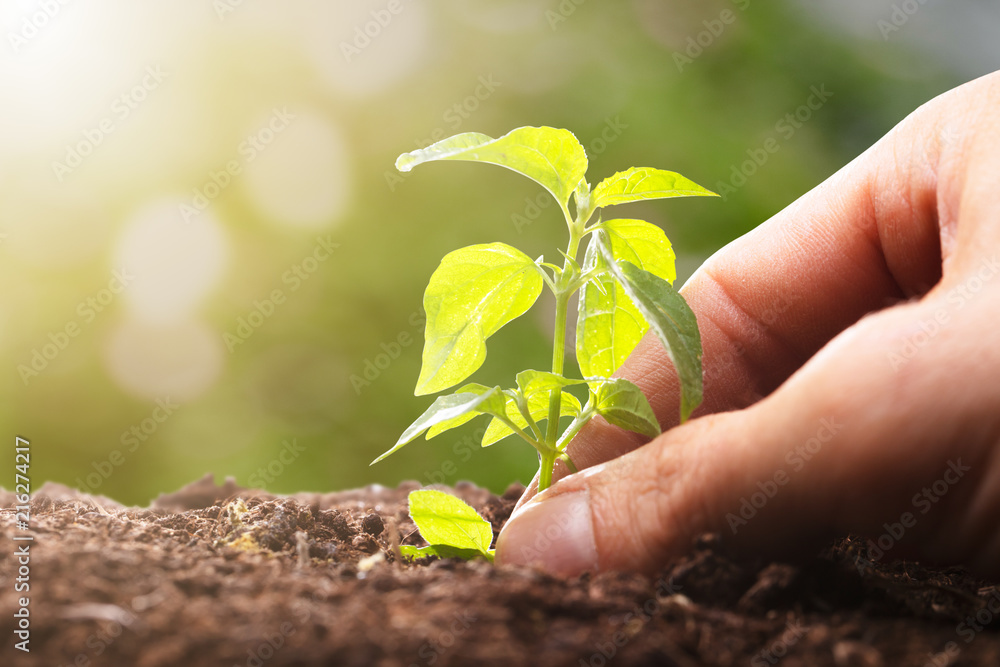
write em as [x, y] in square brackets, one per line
[196, 579]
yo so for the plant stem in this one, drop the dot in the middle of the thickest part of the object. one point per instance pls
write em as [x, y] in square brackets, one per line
[540, 445]
[522, 407]
[564, 290]
[581, 420]
[569, 462]
[558, 365]
[548, 461]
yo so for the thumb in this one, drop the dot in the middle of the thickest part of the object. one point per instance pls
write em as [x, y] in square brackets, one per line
[842, 446]
[634, 512]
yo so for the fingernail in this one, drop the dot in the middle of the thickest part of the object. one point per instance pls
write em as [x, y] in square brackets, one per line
[555, 534]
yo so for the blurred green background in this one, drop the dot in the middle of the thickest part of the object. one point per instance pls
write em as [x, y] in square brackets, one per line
[209, 263]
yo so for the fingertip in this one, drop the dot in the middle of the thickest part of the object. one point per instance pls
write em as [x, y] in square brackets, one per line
[553, 532]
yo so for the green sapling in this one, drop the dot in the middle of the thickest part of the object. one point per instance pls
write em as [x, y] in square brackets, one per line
[625, 284]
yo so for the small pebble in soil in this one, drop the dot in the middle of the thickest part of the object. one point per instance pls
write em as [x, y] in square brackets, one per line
[368, 562]
[372, 524]
[338, 523]
[302, 549]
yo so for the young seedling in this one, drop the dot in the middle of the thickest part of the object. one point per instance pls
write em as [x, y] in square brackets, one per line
[450, 527]
[625, 289]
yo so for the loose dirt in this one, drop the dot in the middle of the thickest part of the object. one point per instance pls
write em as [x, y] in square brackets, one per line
[220, 575]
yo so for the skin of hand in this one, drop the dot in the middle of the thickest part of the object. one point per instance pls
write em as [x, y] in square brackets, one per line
[852, 377]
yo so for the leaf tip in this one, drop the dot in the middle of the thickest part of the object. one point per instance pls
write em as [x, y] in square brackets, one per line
[404, 162]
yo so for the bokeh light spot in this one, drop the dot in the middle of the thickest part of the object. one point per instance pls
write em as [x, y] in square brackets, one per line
[180, 361]
[174, 263]
[299, 176]
[362, 47]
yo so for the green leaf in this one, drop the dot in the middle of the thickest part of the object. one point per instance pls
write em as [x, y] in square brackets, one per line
[532, 383]
[446, 408]
[673, 322]
[471, 295]
[538, 408]
[410, 551]
[444, 520]
[455, 422]
[639, 183]
[623, 404]
[442, 551]
[642, 244]
[608, 326]
[497, 430]
[551, 157]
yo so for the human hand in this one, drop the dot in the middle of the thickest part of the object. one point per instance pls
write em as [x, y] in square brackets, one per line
[851, 359]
